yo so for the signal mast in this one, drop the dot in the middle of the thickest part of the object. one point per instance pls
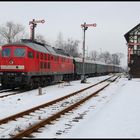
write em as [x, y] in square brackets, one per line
[85, 27]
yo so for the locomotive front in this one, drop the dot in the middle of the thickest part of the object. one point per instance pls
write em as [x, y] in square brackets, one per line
[13, 65]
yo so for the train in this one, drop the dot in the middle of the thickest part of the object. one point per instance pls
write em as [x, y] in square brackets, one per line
[30, 64]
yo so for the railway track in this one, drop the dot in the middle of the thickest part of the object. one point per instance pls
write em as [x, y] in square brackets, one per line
[31, 120]
[12, 92]
[4, 92]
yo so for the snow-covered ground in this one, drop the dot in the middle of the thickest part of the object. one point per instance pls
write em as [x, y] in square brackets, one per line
[114, 113]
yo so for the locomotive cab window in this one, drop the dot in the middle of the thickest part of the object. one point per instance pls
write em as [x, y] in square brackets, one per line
[6, 52]
[19, 52]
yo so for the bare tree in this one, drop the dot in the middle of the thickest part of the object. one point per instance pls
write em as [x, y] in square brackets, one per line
[116, 58]
[71, 47]
[40, 38]
[94, 55]
[105, 57]
[11, 32]
[59, 42]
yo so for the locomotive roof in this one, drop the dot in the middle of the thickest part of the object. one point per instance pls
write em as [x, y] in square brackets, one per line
[32, 45]
[40, 47]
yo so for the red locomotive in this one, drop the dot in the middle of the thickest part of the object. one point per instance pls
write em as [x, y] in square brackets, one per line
[30, 64]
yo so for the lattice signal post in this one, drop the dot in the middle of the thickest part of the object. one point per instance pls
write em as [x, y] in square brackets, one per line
[85, 27]
[33, 24]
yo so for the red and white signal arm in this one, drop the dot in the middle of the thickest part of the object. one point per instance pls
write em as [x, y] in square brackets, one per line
[42, 21]
[87, 25]
[94, 25]
[39, 21]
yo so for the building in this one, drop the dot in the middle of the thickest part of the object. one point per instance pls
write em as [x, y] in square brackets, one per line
[133, 44]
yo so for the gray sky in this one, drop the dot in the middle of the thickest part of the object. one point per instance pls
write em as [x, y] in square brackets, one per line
[113, 20]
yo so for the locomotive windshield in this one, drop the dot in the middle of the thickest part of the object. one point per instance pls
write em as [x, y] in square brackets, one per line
[6, 52]
[19, 52]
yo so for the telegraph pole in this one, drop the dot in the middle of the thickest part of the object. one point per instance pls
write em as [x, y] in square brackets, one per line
[85, 27]
[32, 27]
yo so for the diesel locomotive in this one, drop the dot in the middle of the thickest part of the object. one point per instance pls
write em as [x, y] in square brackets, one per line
[29, 64]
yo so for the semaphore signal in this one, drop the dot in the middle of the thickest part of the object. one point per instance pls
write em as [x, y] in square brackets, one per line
[85, 27]
[33, 24]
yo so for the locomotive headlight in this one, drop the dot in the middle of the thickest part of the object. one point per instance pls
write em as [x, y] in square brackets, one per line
[11, 62]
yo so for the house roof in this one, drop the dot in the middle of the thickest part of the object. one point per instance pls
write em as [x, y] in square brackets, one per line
[132, 31]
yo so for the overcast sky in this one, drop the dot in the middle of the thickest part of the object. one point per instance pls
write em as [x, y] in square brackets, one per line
[113, 20]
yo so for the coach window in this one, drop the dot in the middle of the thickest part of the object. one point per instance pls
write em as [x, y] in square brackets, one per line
[19, 52]
[6, 52]
[30, 55]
